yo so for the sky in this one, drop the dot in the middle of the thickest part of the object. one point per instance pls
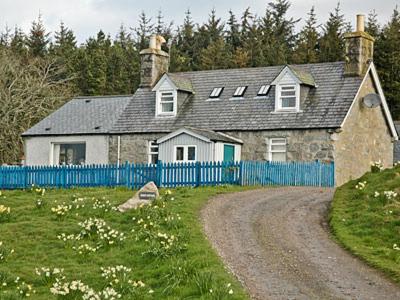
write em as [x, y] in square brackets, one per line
[87, 17]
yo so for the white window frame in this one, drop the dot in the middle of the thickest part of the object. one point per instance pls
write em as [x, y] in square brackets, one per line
[274, 142]
[239, 92]
[278, 98]
[185, 153]
[159, 95]
[150, 153]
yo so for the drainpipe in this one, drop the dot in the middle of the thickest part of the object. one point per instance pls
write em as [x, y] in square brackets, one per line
[118, 150]
[118, 156]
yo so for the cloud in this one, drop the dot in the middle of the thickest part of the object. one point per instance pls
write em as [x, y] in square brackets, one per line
[87, 17]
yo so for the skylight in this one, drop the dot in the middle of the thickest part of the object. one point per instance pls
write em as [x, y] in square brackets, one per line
[239, 92]
[216, 92]
[263, 91]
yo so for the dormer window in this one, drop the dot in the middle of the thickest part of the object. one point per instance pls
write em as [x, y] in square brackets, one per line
[288, 97]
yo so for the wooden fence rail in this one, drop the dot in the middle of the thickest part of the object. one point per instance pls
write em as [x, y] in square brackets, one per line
[170, 174]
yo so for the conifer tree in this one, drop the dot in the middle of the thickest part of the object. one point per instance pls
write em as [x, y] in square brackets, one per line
[38, 39]
[387, 60]
[215, 56]
[65, 41]
[233, 32]
[332, 43]
[17, 42]
[372, 26]
[143, 31]
[306, 50]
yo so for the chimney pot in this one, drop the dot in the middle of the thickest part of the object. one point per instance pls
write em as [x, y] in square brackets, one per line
[154, 62]
[360, 23]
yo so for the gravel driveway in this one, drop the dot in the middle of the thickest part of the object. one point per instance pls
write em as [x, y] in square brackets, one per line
[276, 241]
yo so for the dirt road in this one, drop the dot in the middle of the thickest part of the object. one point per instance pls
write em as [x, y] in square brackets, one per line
[276, 241]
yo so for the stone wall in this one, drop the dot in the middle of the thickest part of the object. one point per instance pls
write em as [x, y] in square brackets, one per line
[365, 138]
[304, 145]
[134, 147]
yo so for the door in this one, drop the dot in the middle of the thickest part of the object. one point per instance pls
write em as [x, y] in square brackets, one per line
[229, 153]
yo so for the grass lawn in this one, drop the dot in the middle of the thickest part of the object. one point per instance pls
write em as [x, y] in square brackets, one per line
[163, 246]
[368, 224]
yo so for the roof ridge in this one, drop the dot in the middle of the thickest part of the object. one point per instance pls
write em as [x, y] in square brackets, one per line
[103, 96]
[255, 68]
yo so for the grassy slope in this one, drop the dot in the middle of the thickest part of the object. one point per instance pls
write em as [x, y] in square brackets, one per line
[33, 234]
[369, 226]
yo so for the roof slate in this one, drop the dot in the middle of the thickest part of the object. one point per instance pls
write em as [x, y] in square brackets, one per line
[324, 106]
[181, 82]
[82, 115]
[213, 136]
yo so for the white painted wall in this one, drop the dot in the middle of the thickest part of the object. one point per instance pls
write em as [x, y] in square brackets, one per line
[41, 150]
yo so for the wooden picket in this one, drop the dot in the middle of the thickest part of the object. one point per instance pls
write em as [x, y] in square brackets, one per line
[171, 175]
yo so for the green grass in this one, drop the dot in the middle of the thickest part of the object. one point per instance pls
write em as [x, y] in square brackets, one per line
[187, 270]
[369, 226]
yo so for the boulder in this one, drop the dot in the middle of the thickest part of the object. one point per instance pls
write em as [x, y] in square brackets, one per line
[145, 195]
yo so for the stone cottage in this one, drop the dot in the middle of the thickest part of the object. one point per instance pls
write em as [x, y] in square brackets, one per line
[326, 111]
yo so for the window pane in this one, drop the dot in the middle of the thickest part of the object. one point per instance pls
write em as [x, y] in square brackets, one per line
[72, 154]
[278, 156]
[179, 153]
[288, 93]
[191, 153]
[153, 158]
[167, 107]
[289, 102]
[286, 88]
[278, 147]
[278, 141]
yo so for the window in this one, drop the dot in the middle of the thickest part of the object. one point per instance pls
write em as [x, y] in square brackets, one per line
[277, 149]
[153, 152]
[166, 102]
[287, 97]
[72, 154]
[263, 91]
[239, 92]
[185, 153]
[216, 92]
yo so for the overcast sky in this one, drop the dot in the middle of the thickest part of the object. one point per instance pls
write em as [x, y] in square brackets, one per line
[86, 17]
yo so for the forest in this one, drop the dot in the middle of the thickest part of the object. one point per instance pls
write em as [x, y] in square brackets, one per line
[40, 70]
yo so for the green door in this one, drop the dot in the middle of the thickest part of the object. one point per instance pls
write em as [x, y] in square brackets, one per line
[229, 153]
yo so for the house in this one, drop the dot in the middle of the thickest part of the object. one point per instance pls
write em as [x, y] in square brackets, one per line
[326, 111]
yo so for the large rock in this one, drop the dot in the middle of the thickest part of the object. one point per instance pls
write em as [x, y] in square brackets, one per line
[145, 195]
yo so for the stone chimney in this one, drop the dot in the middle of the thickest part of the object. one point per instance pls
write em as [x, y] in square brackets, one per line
[154, 62]
[359, 50]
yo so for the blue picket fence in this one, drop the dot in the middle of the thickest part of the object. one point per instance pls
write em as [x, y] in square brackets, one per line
[170, 174]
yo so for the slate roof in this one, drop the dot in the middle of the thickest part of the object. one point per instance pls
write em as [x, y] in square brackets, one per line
[82, 115]
[181, 82]
[214, 136]
[324, 107]
[304, 76]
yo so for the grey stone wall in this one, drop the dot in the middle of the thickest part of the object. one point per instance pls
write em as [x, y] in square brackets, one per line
[134, 147]
[302, 145]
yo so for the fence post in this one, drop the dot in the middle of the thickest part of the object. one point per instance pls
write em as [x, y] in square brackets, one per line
[240, 173]
[159, 170]
[198, 174]
[332, 183]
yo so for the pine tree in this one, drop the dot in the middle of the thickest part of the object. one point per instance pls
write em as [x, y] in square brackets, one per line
[143, 31]
[65, 41]
[307, 46]
[182, 52]
[215, 56]
[17, 42]
[387, 60]
[372, 26]
[233, 37]
[38, 40]
[332, 46]
[283, 29]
